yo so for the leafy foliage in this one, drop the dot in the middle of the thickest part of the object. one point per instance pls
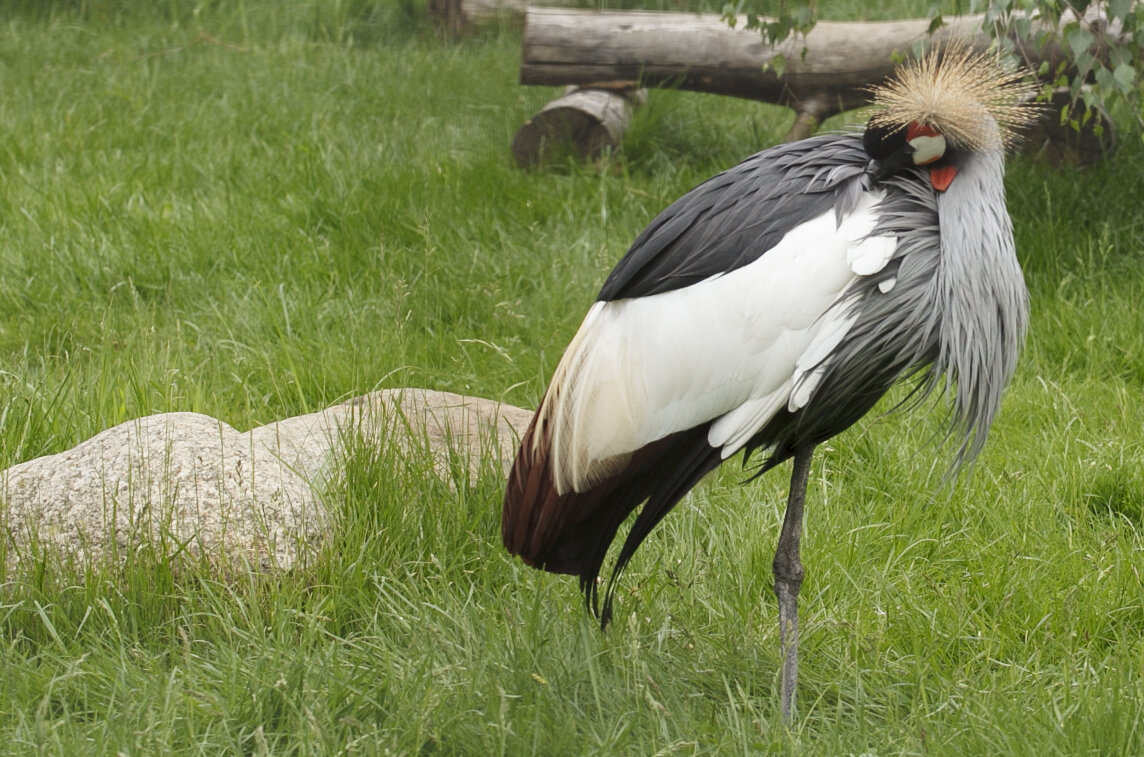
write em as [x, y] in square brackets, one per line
[1101, 43]
[1091, 48]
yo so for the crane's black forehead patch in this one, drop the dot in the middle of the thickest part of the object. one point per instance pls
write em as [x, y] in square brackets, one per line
[882, 140]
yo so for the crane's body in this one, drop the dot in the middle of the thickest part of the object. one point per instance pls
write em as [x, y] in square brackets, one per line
[768, 310]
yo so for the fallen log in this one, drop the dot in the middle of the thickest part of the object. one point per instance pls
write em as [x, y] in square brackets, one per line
[823, 73]
[827, 70]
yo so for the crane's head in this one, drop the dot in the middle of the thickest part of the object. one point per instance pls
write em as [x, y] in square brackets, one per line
[945, 103]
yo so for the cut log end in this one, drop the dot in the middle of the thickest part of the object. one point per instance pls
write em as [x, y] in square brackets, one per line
[582, 125]
[558, 134]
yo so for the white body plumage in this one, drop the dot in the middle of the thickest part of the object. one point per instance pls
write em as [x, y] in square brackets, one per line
[734, 348]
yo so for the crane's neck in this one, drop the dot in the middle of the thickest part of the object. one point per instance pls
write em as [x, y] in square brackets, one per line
[981, 292]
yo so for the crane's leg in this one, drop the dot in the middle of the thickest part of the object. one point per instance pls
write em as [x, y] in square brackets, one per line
[788, 578]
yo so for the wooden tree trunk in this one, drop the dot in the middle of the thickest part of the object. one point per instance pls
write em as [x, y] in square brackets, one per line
[824, 73]
[830, 67]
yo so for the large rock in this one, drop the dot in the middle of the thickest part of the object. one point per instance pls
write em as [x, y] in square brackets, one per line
[189, 481]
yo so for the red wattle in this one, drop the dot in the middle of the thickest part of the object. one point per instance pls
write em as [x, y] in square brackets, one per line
[942, 176]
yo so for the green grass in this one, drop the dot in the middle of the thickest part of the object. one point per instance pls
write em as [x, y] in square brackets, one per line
[258, 209]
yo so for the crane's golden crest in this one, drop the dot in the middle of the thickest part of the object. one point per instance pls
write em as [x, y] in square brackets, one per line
[952, 90]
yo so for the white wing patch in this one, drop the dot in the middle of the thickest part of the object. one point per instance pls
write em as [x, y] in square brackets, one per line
[735, 348]
[737, 427]
[867, 256]
[810, 366]
[870, 255]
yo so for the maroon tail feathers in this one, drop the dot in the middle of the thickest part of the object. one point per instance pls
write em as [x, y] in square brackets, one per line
[571, 532]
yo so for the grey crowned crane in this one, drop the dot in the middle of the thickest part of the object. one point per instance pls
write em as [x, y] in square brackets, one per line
[770, 308]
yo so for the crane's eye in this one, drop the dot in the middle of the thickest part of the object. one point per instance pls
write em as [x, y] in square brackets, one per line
[928, 143]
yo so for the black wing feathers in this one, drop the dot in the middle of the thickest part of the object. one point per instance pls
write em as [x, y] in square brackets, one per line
[731, 219]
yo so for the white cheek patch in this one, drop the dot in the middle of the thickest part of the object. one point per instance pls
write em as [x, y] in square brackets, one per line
[927, 149]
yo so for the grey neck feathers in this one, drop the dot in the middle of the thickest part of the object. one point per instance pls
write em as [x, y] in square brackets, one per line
[982, 295]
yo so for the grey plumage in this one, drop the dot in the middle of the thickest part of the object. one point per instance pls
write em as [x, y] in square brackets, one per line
[956, 315]
[887, 257]
[981, 294]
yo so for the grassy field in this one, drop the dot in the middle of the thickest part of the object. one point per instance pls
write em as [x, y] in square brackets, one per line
[257, 209]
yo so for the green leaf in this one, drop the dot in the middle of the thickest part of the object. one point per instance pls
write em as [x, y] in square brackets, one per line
[1023, 27]
[1125, 77]
[778, 65]
[1079, 40]
[1119, 9]
[1104, 79]
[730, 15]
[1084, 62]
[935, 23]
[996, 12]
